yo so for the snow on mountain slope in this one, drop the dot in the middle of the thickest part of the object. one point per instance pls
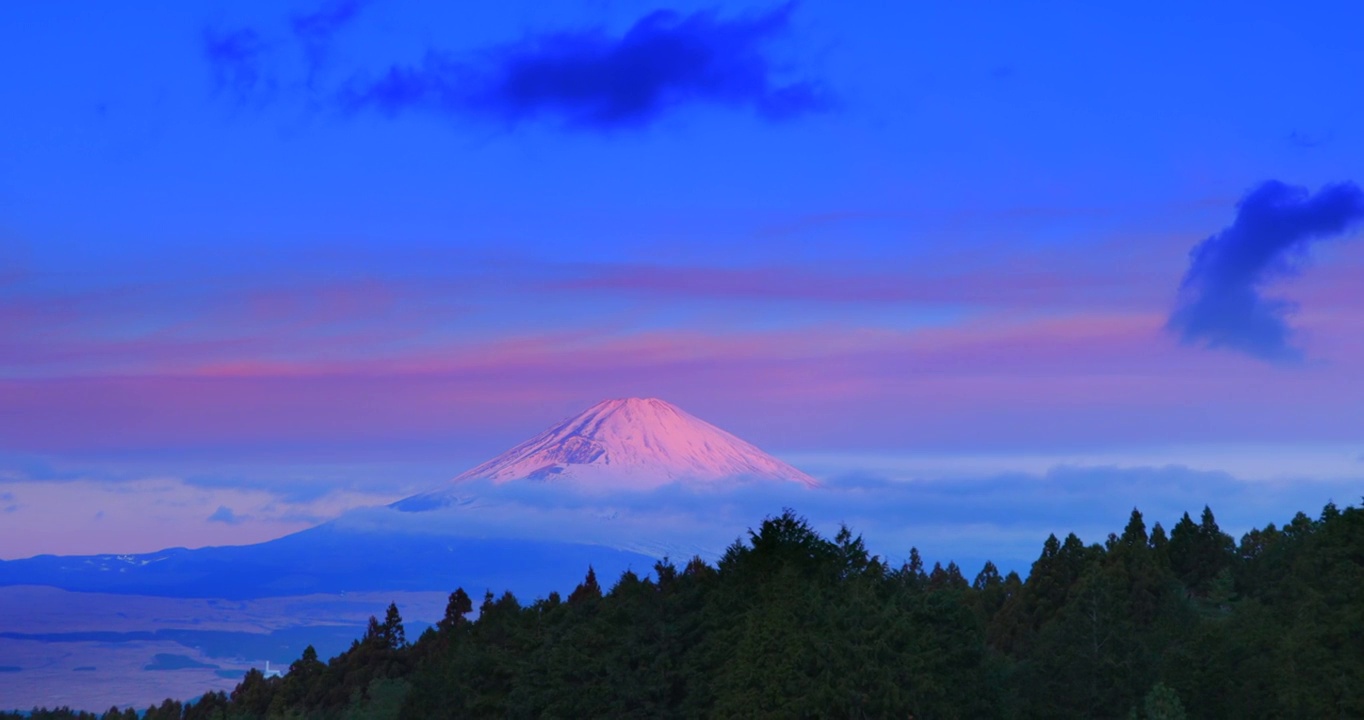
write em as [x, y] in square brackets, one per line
[631, 443]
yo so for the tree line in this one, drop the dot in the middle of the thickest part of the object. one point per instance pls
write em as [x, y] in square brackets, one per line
[1149, 625]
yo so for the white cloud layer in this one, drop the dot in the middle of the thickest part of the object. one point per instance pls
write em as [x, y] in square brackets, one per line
[94, 516]
[966, 509]
[1003, 517]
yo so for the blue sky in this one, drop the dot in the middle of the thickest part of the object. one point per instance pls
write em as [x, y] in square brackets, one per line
[290, 258]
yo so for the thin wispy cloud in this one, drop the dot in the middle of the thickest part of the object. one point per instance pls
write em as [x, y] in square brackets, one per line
[225, 515]
[1221, 300]
[810, 386]
[149, 512]
[1309, 141]
[240, 64]
[315, 30]
[318, 26]
[990, 287]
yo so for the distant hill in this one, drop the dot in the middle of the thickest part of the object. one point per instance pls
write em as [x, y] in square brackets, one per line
[329, 559]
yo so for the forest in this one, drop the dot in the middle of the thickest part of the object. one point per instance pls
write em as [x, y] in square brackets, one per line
[1150, 624]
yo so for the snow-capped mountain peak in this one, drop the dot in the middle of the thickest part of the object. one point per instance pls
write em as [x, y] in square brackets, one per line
[634, 443]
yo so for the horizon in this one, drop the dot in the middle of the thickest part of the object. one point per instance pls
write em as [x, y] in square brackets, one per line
[678, 514]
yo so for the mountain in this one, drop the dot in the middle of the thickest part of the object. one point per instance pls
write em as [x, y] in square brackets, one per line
[331, 558]
[632, 444]
[628, 443]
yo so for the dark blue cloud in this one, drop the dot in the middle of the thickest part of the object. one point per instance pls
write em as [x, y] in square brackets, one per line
[253, 65]
[1220, 300]
[1306, 140]
[320, 25]
[596, 80]
[225, 515]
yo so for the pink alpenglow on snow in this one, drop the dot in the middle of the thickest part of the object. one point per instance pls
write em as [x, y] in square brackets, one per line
[631, 443]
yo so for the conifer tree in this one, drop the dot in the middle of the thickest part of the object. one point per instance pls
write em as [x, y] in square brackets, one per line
[392, 633]
[587, 590]
[456, 609]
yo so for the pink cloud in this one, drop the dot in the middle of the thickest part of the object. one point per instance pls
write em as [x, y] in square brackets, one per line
[258, 324]
[991, 381]
[1034, 287]
[1053, 350]
[139, 329]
